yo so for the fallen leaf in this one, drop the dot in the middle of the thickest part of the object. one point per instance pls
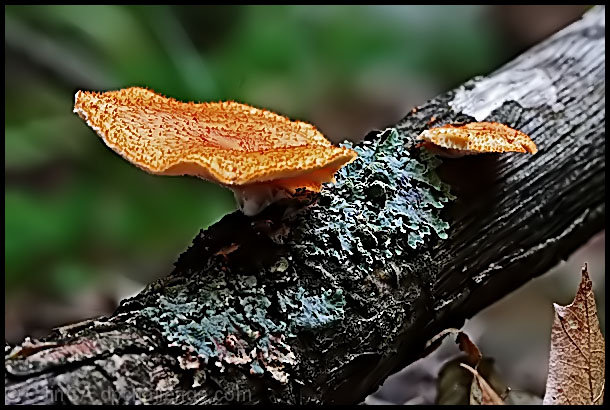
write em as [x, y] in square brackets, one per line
[467, 346]
[454, 382]
[576, 363]
[480, 391]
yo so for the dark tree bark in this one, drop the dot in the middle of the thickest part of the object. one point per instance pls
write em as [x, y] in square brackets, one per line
[323, 304]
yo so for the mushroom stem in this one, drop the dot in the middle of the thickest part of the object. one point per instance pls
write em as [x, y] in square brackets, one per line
[253, 198]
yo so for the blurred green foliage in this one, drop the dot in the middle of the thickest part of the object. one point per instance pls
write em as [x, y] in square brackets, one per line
[75, 211]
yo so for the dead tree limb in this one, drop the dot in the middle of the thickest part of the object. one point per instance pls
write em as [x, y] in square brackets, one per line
[324, 304]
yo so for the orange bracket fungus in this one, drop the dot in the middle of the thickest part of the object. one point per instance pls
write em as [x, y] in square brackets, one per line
[474, 138]
[260, 155]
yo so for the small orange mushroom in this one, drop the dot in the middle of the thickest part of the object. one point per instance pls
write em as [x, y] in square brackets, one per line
[260, 155]
[474, 138]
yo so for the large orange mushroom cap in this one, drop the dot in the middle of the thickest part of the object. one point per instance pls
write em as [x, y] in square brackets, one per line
[477, 137]
[229, 143]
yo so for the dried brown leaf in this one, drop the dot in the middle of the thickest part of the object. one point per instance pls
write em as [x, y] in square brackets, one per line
[468, 347]
[576, 363]
[454, 382]
[480, 391]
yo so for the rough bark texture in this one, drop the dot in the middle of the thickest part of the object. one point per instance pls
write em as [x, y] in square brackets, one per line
[324, 304]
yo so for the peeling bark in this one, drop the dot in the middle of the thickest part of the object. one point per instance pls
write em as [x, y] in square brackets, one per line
[297, 312]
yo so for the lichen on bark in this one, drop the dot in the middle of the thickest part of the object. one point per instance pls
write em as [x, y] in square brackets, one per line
[382, 206]
[230, 321]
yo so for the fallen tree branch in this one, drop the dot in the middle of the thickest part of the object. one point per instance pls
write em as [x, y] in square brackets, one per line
[324, 304]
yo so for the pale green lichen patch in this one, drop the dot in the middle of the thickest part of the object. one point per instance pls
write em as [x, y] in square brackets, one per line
[319, 311]
[385, 203]
[231, 320]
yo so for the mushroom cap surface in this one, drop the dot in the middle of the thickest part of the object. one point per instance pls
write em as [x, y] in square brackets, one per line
[225, 142]
[479, 137]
